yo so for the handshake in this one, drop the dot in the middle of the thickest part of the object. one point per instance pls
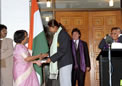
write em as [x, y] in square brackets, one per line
[43, 58]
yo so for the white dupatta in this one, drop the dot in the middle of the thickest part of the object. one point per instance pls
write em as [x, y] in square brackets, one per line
[53, 50]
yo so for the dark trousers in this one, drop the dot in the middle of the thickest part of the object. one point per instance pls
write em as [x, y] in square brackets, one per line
[77, 74]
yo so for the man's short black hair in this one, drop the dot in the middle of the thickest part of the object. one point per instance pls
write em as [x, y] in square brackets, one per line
[19, 36]
[2, 27]
[76, 30]
[115, 28]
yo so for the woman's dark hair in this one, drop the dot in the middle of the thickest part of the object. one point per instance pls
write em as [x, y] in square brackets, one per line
[2, 27]
[76, 30]
[19, 36]
[53, 23]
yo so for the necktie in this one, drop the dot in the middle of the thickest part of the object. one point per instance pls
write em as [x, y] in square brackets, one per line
[76, 44]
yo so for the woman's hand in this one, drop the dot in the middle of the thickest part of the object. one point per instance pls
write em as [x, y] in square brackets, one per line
[38, 62]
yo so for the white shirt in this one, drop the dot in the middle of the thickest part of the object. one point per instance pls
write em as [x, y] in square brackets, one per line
[77, 42]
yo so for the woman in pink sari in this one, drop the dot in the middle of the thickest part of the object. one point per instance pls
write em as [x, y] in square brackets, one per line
[23, 71]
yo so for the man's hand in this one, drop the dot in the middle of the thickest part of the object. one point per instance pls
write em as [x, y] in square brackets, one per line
[43, 56]
[88, 69]
[48, 60]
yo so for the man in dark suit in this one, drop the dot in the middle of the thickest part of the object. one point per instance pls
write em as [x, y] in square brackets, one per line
[119, 32]
[81, 58]
[115, 35]
[63, 55]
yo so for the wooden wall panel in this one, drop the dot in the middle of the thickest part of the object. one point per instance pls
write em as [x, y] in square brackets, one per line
[74, 20]
[100, 24]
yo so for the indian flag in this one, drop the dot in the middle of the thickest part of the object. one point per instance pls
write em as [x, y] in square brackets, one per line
[37, 39]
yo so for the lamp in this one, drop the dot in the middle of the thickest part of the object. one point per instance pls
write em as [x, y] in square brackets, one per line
[48, 3]
[111, 3]
[47, 18]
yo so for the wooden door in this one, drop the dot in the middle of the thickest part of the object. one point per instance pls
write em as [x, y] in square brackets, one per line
[76, 20]
[93, 26]
[100, 24]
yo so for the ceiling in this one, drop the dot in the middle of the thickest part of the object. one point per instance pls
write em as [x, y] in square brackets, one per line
[83, 3]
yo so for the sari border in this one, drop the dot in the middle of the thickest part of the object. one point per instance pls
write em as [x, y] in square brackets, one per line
[24, 76]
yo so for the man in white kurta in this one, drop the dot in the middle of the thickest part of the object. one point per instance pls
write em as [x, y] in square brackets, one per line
[6, 58]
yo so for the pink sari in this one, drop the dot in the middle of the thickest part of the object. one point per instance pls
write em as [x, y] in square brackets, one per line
[23, 72]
